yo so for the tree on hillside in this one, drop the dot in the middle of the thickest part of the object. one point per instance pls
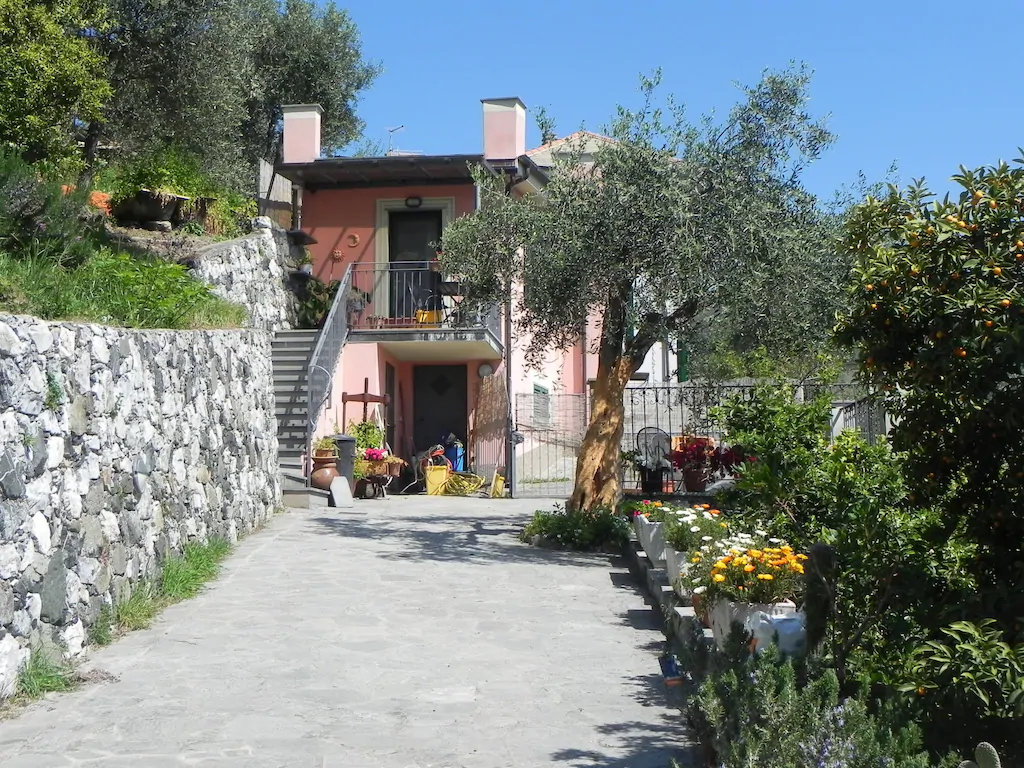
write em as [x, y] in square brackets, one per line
[50, 75]
[670, 227]
[208, 77]
[306, 55]
[938, 322]
[180, 73]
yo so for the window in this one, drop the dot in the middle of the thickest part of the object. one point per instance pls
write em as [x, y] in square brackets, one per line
[541, 405]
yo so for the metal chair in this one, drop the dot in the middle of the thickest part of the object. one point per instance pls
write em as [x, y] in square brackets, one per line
[653, 447]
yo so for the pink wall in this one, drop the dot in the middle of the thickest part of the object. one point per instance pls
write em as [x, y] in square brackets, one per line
[345, 220]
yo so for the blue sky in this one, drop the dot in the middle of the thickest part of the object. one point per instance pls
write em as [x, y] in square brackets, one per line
[926, 85]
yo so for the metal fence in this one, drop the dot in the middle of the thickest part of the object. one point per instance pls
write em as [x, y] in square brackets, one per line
[553, 425]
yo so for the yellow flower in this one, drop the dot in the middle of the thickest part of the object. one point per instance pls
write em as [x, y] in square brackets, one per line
[749, 568]
[798, 568]
[801, 557]
[694, 559]
[657, 503]
[765, 576]
[719, 566]
[718, 577]
[755, 553]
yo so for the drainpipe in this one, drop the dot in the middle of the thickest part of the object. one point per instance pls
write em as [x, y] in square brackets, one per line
[510, 447]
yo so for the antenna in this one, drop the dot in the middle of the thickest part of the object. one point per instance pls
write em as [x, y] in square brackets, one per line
[391, 135]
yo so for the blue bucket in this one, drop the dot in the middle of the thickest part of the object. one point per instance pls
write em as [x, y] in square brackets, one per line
[457, 456]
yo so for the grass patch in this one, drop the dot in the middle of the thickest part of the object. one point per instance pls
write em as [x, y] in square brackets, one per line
[184, 576]
[102, 631]
[113, 288]
[42, 675]
[138, 611]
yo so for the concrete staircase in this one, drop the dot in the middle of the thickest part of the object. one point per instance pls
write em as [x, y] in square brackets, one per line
[290, 353]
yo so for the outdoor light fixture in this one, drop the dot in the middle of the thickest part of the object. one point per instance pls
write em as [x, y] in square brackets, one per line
[413, 202]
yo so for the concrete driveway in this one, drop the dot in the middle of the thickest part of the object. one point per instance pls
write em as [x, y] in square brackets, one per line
[408, 633]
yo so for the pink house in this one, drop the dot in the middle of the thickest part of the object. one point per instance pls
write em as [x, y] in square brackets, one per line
[397, 328]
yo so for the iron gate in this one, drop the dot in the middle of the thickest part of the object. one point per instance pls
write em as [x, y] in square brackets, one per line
[553, 425]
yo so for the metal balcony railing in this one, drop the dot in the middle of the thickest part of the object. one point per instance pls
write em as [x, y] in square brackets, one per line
[413, 295]
[322, 363]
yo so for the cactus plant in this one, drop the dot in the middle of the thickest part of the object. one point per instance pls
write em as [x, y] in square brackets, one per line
[986, 757]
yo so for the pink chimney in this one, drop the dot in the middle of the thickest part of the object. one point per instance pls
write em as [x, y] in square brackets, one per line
[301, 139]
[504, 128]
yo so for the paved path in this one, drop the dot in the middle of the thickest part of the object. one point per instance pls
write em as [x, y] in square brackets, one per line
[414, 632]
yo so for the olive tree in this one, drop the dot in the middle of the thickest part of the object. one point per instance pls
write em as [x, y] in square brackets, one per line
[663, 230]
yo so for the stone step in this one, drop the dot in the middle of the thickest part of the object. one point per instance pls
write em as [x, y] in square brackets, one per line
[306, 333]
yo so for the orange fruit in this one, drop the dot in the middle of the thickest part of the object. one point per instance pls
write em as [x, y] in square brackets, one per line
[988, 323]
[869, 287]
[1020, 243]
[993, 204]
[939, 334]
[998, 271]
[961, 352]
[874, 306]
[1005, 303]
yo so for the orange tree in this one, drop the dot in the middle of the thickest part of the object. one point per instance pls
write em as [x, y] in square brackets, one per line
[938, 318]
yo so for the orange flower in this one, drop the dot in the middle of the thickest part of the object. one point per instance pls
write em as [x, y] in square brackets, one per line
[714, 511]
[749, 568]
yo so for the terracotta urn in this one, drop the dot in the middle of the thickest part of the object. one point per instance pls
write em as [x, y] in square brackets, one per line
[325, 469]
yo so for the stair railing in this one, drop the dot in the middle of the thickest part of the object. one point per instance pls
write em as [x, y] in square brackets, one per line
[320, 374]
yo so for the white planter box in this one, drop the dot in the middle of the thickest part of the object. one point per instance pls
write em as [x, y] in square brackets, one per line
[677, 564]
[724, 612]
[652, 539]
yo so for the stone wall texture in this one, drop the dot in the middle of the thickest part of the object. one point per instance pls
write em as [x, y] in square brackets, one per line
[117, 447]
[253, 271]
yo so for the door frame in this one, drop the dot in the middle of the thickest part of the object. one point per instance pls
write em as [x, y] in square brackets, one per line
[382, 237]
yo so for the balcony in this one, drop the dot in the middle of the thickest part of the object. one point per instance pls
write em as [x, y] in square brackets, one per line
[419, 314]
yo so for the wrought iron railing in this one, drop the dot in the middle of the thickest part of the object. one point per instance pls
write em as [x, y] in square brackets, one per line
[414, 295]
[329, 344]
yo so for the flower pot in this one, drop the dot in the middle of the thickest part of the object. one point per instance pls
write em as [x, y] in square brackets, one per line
[724, 612]
[677, 565]
[652, 539]
[325, 469]
[384, 468]
[695, 479]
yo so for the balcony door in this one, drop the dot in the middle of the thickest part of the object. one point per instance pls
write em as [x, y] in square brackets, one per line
[412, 239]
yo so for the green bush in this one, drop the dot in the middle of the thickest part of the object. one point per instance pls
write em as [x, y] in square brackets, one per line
[753, 710]
[39, 218]
[597, 529]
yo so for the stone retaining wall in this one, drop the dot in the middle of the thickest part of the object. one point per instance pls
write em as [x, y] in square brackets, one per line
[116, 448]
[253, 271]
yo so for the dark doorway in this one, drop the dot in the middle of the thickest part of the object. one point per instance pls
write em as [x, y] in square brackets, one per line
[439, 403]
[412, 242]
[389, 409]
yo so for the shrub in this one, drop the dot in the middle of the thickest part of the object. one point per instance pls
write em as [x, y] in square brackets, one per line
[39, 218]
[597, 529]
[752, 710]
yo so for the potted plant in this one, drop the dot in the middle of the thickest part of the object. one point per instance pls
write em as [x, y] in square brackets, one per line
[649, 522]
[693, 458]
[381, 463]
[748, 581]
[325, 460]
[689, 534]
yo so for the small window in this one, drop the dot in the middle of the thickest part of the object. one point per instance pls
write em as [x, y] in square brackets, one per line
[541, 405]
